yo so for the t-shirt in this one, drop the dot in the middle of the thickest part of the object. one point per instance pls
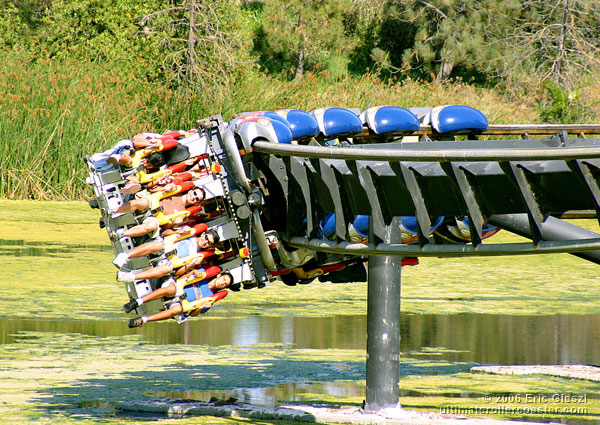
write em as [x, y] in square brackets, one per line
[172, 204]
[186, 247]
[197, 290]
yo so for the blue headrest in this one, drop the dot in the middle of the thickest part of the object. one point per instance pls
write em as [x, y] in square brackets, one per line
[385, 119]
[361, 225]
[283, 132]
[409, 228]
[276, 117]
[251, 127]
[457, 118]
[328, 226]
[301, 123]
[336, 121]
[358, 231]
[485, 228]
[268, 114]
[409, 223]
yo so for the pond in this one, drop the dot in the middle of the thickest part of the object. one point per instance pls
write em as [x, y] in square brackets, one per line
[66, 352]
[480, 338]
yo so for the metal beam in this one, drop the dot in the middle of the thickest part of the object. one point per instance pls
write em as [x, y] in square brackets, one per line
[508, 129]
[438, 155]
[383, 333]
[458, 250]
[497, 130]
[552, 229]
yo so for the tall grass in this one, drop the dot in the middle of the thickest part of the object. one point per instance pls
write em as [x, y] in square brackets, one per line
[54, 113]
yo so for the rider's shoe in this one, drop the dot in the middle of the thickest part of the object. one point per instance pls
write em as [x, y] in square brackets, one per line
[136, 323]
[131, 305]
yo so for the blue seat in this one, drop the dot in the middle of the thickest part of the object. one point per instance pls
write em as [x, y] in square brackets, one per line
[458, 230]
[457, 119]
[390, 119]
[276, 117]
[337, 121]
[358, 230]
[282, 130]
[327, 227]
[256, 127]
[302, 124]
[409, 228]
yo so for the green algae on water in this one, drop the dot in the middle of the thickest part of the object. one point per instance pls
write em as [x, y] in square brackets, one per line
[53, 375]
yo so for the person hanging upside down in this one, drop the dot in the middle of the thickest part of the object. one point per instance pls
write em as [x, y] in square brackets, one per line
[167, 200]
[173, 198]
[195, 297]
[144, 144]
[184, 250]
[170, 206]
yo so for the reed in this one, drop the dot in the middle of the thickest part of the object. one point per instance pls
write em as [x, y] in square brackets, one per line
[53, 113]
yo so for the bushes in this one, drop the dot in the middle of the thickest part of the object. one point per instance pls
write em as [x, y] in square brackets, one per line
[53, 113]
[78, 76]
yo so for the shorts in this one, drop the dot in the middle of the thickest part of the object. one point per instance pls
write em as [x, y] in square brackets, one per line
[165, 262]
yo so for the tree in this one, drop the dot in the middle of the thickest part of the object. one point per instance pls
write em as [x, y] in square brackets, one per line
[556, 41]
[199, 41]
[382, 36]
[297, 35]
[449, 33]
[12, 26]
[92, 29]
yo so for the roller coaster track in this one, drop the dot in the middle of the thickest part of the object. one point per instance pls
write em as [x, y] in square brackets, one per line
[442, 178]
[294, 203]
[278, 190]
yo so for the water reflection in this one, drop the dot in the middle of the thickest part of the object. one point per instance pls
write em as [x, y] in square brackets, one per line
[22, 248]
[272, 396]
[480, 338]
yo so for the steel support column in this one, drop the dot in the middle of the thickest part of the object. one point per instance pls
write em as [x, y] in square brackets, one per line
[383, 328]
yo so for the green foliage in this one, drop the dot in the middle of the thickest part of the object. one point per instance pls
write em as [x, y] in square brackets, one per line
[77, 76]
[299, 35]
[95, 29]
[448, 33]
[12, 26]
[53, 113]
[382, 36]
[561, 106]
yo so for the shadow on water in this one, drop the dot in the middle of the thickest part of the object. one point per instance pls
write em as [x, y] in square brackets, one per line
[207, 379]
[307, 382]
[461, 339]
[258, 382]
[480, 338]
[272, 396]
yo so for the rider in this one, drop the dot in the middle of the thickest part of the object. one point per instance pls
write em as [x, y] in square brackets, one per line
[196, 291]
[190, 239]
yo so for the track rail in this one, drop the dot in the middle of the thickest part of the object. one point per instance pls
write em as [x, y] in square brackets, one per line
[379, 153]
[431, 250]
[436, 179]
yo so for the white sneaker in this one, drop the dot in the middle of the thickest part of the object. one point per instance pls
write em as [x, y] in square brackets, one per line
[120, 260]
[126, 276]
